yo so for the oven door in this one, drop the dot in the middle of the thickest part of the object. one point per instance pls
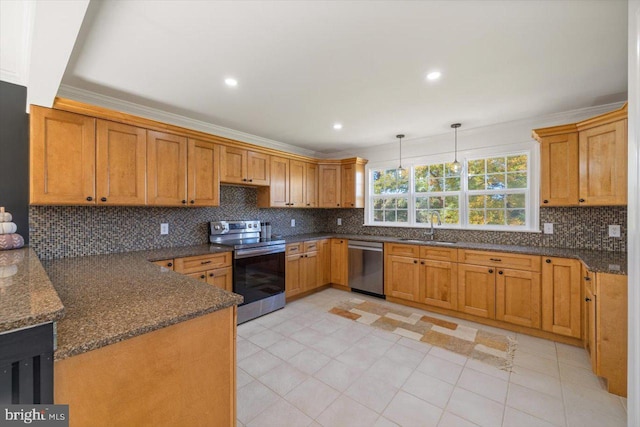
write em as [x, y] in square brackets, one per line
[256, 277]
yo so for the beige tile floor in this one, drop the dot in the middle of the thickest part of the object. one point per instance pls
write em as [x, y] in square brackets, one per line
[302, 366]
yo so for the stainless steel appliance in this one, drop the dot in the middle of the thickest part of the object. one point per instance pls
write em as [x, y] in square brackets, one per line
[258, 266]
[366, 267]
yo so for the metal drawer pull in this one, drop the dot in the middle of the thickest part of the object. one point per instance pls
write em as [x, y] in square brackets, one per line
[495, 259]
[205, 262]
[587, 299]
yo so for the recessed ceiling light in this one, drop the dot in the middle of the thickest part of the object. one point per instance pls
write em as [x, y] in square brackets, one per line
[231, 82]
[434, 75]
[337, 126]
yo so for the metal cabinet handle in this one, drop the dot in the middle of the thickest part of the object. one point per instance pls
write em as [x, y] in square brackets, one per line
[89, 199]
[548, 261]
[415, 261]
[581, 200]
[587, 278]
[210, 274]
[103, 199]
[244, 179]
[587, 299]
[490, 271]
[338, 204]
[495, 259]
[422, 262]
[251, 180]
[202, 276]
[308, 204]
[169, 264]
[184, 202]
[545, 201]
[205, 262]
[192, 201]
[500, 272]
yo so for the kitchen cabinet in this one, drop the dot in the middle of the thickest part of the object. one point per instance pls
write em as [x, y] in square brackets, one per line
[311, 185]
[240, 166]
[203, 178]
[165, 263]
[352, 185]
[329, 190]
[214, 269]
[607, 315]
[585, 163]
[324, 262]
[589, 315]
[62, 158]
[301, 272]
[166, 169]
[340, 262]
[561, 291]
[289, 187]
[477, 290]
[518, 297]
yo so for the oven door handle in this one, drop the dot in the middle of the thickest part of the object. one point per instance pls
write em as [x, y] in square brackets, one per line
[248, 253]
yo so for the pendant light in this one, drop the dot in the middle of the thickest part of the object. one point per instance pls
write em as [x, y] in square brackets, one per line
[400, 136]
[456, 166]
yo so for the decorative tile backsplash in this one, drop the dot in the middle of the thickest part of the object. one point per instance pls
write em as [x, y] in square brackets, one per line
[67, 231]
[573, 227]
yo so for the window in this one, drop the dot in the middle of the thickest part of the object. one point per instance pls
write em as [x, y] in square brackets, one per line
[491, 192]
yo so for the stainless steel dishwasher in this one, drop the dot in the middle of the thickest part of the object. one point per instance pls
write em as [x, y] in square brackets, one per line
[366, 267]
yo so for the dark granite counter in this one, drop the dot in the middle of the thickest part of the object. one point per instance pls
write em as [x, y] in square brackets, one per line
[596, 261]
[110, 298]
[27, 297]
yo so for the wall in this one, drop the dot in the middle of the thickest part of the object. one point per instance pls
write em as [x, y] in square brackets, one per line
[14, 154]
[66, 231]
[576, 227]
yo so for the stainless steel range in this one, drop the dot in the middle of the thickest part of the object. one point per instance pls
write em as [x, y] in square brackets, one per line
[258, 266]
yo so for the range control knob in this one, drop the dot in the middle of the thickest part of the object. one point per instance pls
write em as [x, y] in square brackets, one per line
[216, 227]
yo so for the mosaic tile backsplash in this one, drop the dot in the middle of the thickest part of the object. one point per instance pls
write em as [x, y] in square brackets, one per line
[67, 231]
[573, 227]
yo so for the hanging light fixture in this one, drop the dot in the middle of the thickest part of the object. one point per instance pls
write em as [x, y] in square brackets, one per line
[456, 166]
[400, 136]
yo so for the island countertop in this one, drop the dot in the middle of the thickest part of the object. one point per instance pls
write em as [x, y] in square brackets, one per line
[110, 298]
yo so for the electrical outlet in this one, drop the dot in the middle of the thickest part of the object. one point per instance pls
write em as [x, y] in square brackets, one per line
[614, 231]
[339, 221]
[548, 228]
[164, 228]
[293, 222]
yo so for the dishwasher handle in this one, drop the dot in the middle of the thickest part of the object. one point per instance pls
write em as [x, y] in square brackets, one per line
[374, 247]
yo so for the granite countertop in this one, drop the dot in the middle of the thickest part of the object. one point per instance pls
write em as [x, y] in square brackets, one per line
[596, 261]
[110, 298]
[27, 297]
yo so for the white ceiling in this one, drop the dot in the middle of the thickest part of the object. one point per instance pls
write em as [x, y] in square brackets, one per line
[304, 65]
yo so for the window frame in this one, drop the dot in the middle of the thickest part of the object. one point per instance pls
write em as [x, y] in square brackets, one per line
[532, 206]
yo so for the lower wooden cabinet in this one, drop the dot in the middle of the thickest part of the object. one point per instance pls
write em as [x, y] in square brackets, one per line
[438, 284]
[340, 262]
[324, 262]
[402, 277]
[220, 277]
[302, 268]
[518, 297]
[477, 290]
[561, 302]
[214, 269]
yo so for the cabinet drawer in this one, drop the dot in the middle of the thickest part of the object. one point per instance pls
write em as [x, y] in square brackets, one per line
[399, 249]
[165, 263]
[311, 246]
[438, 254]
[294, 248]
[500, 259]
[199, 263]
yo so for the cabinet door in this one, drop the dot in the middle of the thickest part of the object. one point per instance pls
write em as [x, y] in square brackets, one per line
[121, 164]
[352, 185]
[603, 164]
[477, 290]
[561, 296]
[591, 338]
[221, 278]
[439, 283]
[258, 168]
[201, 275]
[167, 169]
[296, 183]
[203, 179]
[402, 277]
[518, 297]
[63, 158]
[340, 262]
[311, 185]
[310, 271]
[559, 170]
[279, 188]
[324, 262]
[293, 278]
[233, 165]
[165, 263]
[329, 186]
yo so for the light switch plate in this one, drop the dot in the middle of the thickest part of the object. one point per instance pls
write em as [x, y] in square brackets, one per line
[164, 228]
[293, 222]
[614, 231]
[548, 228]
[339, 221]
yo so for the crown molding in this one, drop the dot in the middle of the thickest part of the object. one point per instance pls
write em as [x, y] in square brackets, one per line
[112, 103]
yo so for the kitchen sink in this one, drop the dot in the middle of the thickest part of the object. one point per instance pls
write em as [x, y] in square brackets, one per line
[432, 242]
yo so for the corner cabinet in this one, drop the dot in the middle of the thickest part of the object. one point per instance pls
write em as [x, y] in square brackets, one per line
[584, 163]
[341, 185]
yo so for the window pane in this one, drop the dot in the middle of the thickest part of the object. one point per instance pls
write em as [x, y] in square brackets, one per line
[496, 164]
[495, 182]
[389, 216]
[422, 203]
[517, 180]
[402, 203]
[476, 217]
[422, 216]
[476, 167]
[378, 215]
[403, 181]
[495, 217]
[451, 216]
[452, 202]
[495, 201]
[389, 203]
[476, 202]
[436, 202]
[516, 217]
[436, 184]
[452, 184]
[436, 171]
[517, 163]
[515, 201]
[390, 181]
[377, 203]
[448, 171]
[403, 215]
[421, 178]
[476, 182]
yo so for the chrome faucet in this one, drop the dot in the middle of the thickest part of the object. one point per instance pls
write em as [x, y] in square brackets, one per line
[432, 232]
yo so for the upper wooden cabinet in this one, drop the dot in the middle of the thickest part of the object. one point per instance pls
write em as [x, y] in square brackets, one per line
[203, 178]
[62, 158]
[166, 169]
[121, 164]
[329, 190]
[342, 185]
[240, 166]
[352, 185]
[584, 163]
[289, 186]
